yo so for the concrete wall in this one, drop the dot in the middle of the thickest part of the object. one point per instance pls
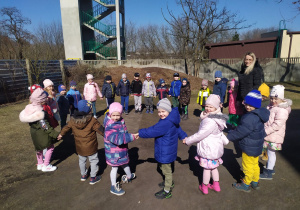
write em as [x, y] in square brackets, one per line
[71, 29]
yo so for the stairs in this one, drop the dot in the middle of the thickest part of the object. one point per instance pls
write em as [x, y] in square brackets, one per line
[106, 33]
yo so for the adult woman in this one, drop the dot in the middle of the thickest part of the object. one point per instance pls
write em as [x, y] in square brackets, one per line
[249, 77]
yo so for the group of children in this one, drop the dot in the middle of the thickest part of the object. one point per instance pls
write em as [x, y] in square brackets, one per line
[256, 129]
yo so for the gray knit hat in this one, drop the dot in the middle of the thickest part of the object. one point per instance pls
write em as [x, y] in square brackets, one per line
[164, 104]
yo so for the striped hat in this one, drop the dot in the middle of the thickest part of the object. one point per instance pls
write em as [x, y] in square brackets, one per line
[253, 98]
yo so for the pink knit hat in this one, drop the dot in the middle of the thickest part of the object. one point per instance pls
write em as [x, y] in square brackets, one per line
[233, 83]
[38, 96]
[115, 107]
[204, 82]
[213, 100]
[47, 83]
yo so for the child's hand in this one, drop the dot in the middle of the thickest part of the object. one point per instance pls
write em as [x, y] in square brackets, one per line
[169, 96]
[184, 141]
[136, 136]
[221, 105]
[59, 137]
[101, 98]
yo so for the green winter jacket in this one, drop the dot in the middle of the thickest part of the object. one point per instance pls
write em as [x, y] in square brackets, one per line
[42, 137]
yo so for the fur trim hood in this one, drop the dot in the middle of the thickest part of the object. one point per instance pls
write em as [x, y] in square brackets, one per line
[29, 118]
[220, 119]
[80, 119]
[287, 103]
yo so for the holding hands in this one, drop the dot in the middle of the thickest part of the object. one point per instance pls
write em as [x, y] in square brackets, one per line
[184, 140]
[59, 137]
[136, 135]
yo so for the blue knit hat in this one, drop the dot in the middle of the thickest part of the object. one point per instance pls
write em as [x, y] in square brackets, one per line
[61, 87]
[84, 106]
[218, 74]
[161, 81]
[73, 83]
[253, 98]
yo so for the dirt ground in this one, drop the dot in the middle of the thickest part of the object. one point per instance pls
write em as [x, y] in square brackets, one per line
[23, 187]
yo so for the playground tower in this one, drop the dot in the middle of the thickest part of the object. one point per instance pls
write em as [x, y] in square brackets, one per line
[86, 36]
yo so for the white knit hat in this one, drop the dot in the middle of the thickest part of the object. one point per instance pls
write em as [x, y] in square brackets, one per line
[89, 76]
[124, 76]
[148, 75]
[47, 83]
[278, 91]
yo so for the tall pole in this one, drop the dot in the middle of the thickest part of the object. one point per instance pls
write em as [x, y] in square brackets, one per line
[118, 29]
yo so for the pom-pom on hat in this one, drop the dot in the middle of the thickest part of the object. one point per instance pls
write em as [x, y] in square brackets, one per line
[213, 100]
[264, 90]
[124, 76]
[176, 74]
[218, 74]
[61, 87]
[84, 106]
[33, 88]
[108, 77]
[89, 76]
[148, 75]
[204, 82]
[47, 83]
[136, 74]
[278, 91]
[73, 83]
[253, 98]
[164, 104]
[115, 107]
[161, 81]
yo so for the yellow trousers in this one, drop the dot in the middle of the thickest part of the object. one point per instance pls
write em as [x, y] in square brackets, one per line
[250, 168]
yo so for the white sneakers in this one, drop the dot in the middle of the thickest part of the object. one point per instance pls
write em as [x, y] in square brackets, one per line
[48, 168]
[39, 167]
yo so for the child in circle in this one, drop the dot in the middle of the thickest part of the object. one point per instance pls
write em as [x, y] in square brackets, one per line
[203, 94]
[166, 133]
[149, 91]
[161, 90]
[109, 90]
[42, 134]
[210, 142]
[250, 134]
[84, 127]
[174, 91]
[73, 96]
[116, 139]
[184, 100]
[220, 87]
[123, 90]
[49, 88]
[63, 104]
[136, 91]
[91, 89]
[279, 108]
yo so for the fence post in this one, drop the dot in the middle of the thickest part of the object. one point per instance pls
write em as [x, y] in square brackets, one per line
[28, 72]
[62, 69]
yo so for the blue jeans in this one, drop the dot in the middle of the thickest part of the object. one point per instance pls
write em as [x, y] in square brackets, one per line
[124, 102]
[94, 108]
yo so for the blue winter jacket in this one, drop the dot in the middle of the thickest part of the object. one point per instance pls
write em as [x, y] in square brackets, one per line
[220, 89]
[73, 97]
[109, 90]
[166, 133]
[175, 88]
[123, 89]
[251, 132]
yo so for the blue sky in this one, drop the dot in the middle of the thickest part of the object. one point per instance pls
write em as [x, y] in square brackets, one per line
[262, 13]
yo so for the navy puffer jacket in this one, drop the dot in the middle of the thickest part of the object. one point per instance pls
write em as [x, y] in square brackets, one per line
[166, 133]
[123, 89]
[220, 89]
[251, 132]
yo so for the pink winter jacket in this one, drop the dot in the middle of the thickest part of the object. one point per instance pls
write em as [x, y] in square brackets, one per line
[232, 107]
[275, 127]
[210, 138]
[90, 91]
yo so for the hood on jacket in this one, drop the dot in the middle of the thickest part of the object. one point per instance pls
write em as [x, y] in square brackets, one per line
[220, 119]
[286, 104]
[174, 116]
[81, 119]
[29, 118]
[262, 113]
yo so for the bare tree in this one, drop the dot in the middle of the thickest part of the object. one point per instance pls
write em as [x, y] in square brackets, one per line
[200, 21]
[13, 23]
